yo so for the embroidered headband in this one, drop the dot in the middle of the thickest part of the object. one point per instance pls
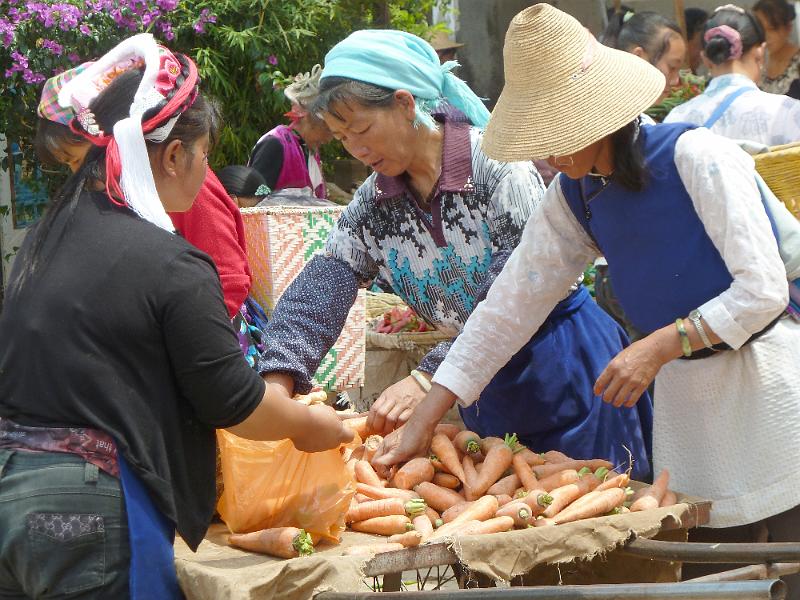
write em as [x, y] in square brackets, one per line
[731, 35]
[168, 86]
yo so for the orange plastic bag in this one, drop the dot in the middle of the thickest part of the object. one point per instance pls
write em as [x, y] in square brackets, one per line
[272, 484]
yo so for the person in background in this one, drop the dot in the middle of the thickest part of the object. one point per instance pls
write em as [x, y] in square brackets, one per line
[651, 36]
[445, 47]
[695, 20]
[783, 57]
[437, 220]
[732, 105]
[244, 184]
[107, 438]
[213, 223]
[677, 212]
[288, 156]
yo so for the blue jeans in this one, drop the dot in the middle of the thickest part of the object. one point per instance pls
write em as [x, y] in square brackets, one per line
[63, 528]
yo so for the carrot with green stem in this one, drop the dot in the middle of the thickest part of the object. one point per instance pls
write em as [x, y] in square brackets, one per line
[385, 507]
[442, 446]
[437, 464]
[537, 500]
[596, 506]
[497, 460]
[413, 472]
[437, 497]
[388, 525]
[283, 542]
[467, 442]
[517, 510]
[543, 471]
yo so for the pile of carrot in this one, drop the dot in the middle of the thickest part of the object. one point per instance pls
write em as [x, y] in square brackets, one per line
[471, 485]
[468, 485]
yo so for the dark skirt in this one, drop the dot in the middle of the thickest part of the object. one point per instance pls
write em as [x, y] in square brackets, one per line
[544, 394]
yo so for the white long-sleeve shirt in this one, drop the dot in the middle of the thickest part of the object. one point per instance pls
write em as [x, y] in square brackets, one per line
[718, 177]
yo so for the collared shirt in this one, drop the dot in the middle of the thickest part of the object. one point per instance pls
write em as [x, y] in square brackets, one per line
[757, 116]
[440, 264]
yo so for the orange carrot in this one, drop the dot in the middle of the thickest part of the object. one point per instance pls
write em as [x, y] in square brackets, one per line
[620, 481]
[564, 496]
[413, 472]
[483, 508]
[507, 485]
[493, 525]
[388, 525]
[537, 500]
[437, 497]
[455, 510]
[554, 456]
[446, 480]
[517, 510]
[558, 479]
[437, 464]
[488, 443]
[383, 508]
[359, 425]
[503, 499]
[498, 459]
[283, 542]
[408, 539]
[467, 442]
[530, 457]
[432, 514]
[371, 445]
[442, 447]
[598, 505]
[542, 522]
[652, 496]
[377, 493]
[366, 474]
[362, 498]
[669, 499]
[524, 472]
[423, 525]
[470, 473]
[371, 549]
[350, 465]
[543, 471]
[448, 429]
[358, 452]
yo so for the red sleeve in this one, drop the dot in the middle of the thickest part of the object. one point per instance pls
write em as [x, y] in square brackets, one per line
[214, 225]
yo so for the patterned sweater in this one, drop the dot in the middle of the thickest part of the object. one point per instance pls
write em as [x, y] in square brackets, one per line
[440, 263]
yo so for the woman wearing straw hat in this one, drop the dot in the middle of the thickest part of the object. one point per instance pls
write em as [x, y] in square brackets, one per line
[288, 156]
[677, 213]
[437, 220]
[107, 436]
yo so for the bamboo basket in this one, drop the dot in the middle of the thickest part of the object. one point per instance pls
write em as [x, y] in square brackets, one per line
[780, 168]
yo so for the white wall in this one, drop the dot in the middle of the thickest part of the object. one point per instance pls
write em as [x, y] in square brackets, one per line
[10, 238]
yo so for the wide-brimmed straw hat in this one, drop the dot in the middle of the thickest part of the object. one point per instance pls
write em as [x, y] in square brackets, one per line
[563, 89]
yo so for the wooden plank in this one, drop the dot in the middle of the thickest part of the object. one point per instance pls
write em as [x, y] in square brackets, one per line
[420, 557]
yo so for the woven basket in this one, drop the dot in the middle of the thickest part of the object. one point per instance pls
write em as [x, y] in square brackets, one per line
[280, 241]
[780, 168]
[417, 343]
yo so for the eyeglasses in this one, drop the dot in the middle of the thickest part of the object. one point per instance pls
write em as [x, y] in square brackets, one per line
[562, 161]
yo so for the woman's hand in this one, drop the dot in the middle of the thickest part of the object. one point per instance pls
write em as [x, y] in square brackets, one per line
[403, 444]
[630, 373]
[324, 430]
[394, 406]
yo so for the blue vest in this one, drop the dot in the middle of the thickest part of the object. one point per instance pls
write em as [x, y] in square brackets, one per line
[661, 261]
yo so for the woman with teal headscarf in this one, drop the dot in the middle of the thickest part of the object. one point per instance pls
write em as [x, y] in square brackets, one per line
[437, 220]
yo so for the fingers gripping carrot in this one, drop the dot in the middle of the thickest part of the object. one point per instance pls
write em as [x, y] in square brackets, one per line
[652, 496]
[442, 447]
[283, 542]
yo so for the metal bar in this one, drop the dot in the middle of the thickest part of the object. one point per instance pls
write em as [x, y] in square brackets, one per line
[392, 582]
[769, 571]
[751, 590]
[694, 552]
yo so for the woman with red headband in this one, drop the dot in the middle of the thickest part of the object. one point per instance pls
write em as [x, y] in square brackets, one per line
[118, 357]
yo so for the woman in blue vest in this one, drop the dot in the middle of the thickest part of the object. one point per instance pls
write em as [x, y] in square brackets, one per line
[677, 213]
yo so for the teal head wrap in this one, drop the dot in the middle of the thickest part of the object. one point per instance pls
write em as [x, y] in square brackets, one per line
[401, 61]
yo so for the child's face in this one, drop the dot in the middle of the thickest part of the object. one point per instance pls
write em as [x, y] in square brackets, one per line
[71, 155]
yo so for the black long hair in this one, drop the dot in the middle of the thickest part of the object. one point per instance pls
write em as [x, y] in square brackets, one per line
[110, 106]
[239, 180]
[718, 48]
[630, 170]
[779, 13]
[647, 29]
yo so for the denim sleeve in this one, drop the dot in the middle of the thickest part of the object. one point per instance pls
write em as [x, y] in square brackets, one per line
[308, 319]
[434, 358]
